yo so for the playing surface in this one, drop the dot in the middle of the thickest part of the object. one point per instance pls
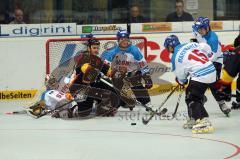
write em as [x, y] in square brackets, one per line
[22, 137]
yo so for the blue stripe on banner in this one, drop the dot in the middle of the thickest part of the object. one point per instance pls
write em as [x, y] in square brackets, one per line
[67, 53]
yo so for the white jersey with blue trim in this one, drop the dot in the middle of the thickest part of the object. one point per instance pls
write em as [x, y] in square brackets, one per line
[191, 60]
[131, 57]
[54, 98]
[212, 40]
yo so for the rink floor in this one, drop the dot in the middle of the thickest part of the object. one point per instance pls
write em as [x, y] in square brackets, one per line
[22, 137]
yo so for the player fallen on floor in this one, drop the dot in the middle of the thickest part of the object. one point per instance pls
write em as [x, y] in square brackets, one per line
[86, 82]
[129, 65]
[192, 60]
[230, 71]
[203, 34]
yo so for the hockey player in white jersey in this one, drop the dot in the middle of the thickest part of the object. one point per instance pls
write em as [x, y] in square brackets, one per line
[192, 60]
[52, 99]
[127, 62]
[203, 34]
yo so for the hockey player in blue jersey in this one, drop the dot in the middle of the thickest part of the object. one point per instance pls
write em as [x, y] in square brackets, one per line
[203, 34]
[192, 60]
[128, 63]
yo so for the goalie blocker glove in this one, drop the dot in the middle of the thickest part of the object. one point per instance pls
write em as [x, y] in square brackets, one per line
[148, 80]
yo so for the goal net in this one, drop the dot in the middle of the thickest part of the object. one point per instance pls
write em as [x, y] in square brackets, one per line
[59, 51]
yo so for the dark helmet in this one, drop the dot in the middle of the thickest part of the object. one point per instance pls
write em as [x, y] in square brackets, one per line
[93, 41]
[237, 41]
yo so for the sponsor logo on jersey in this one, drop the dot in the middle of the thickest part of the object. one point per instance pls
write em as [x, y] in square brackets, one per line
[17, 94]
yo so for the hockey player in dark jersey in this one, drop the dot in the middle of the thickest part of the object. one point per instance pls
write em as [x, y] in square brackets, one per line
[230, 71]
[88, 70]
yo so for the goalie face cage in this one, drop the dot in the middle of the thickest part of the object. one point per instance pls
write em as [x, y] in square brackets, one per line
[60, 50]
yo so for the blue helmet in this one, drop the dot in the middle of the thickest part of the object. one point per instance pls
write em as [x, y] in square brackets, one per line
[172, 41]
[122, 34]
[201, 22]
[87, 35]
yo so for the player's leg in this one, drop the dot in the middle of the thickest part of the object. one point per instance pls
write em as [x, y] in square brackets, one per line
[108, 101]
[236, 105]
[224, 108]
[196, 111]
[139, 90]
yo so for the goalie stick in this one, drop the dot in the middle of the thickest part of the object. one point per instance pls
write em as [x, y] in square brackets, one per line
[146, 121]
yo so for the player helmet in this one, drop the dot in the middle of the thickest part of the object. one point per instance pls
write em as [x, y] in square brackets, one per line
[87, 35]
[172, 41]
[201, 22]
[93, 41]
[122, 34]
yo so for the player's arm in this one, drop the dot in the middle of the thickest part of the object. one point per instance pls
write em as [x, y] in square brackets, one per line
[145, 72]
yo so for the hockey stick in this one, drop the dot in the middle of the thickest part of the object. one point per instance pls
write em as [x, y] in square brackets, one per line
[177, 105]
[16, 112]
[146, 121]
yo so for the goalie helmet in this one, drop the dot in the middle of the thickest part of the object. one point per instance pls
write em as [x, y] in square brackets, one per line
[122, 34]
[93, 41]
[201, 22]
[172, 41]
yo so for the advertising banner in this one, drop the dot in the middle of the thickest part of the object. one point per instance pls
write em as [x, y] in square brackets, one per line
[24, 30]
[100, 28]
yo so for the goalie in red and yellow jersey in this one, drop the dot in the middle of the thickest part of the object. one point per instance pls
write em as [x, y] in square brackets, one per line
[89, 68]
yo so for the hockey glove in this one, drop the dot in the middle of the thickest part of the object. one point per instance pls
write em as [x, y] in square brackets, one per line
[193, 40]
[223, 90]
[148, 80]
[181, 82]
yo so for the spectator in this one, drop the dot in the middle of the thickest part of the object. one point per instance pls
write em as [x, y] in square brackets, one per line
[18, 17]
[135, 15]
[179, 14]
[2, 18]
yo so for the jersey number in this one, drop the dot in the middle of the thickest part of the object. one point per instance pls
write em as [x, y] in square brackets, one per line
[198, 56]
[59, 95]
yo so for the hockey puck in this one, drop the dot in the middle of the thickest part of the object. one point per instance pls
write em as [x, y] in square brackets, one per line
[133, 123]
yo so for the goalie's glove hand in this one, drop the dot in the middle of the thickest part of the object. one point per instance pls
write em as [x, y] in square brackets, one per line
[69, 96]
[181, 82]
[148, 80]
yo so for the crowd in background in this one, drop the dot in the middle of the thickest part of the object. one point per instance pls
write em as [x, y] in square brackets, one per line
[84, 13]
